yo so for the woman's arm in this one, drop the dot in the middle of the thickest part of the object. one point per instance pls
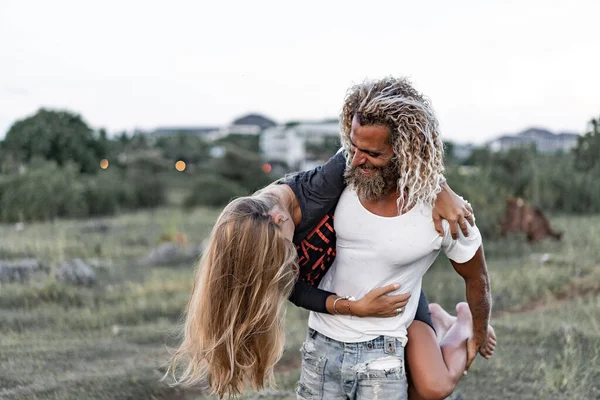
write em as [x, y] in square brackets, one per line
[454, 209]
[310, 297]
[316, 191]
[376, 303]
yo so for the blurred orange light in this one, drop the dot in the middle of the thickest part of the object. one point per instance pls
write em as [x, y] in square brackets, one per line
[266, 168]
[180, 166]
[104, 164]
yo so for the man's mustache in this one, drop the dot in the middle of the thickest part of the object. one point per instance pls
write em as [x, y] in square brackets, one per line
[371, 167]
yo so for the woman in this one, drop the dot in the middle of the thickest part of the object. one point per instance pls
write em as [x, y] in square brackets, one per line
[234, 326]
[233, 330]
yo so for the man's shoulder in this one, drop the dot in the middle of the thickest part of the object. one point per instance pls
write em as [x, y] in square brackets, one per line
[346, 197]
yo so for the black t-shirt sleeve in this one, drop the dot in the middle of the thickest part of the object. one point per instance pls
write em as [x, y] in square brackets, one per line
[317, 191]
[307, 296]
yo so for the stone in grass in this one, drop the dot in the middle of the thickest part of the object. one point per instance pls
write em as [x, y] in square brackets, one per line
[192, 253]
[18, 271]
[169, 254]
[95, 226]
[76, 272]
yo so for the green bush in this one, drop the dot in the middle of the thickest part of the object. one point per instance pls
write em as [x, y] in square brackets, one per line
[147, 190]
[237, 173]
[213, 190]
[486, 197]
[107, 193]
[242, 167]
[47, 191]
[112, 191]
[42, 194]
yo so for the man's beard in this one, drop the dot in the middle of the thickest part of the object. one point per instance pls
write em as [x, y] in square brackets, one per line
[375, 185]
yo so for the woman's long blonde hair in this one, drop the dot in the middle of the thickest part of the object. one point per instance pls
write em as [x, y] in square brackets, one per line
[233, 329]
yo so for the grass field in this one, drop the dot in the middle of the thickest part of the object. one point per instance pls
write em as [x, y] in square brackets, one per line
[110, 341]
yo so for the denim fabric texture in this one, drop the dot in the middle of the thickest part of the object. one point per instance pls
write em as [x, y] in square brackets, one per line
[334, 370]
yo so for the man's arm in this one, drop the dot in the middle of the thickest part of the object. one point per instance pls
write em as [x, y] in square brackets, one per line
[477, 284]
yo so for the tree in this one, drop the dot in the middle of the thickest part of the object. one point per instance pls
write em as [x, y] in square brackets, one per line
[189, 148]
[60, 136]
[449, 152]
[587, 151]
[103, 143]
[247, 142]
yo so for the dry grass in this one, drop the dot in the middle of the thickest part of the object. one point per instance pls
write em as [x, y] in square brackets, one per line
[109, 342]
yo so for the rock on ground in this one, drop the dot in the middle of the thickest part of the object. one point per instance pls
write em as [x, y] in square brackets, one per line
[20, 270]
[170, 253]
[76, 272]
[95, 226]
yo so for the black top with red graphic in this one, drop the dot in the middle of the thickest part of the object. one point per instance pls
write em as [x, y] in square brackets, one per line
[317, 192]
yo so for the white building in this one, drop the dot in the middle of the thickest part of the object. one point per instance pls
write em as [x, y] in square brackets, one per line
[252, 130]
[544, 141]
[293, 145]
[281, 145]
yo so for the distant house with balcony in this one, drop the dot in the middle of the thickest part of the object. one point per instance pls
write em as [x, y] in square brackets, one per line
[251, 124]
[542, 140]
[300, 145]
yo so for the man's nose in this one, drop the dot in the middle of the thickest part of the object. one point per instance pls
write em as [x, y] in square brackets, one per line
[358, 158]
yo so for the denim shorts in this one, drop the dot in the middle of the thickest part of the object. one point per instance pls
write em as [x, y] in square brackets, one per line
[368, 370]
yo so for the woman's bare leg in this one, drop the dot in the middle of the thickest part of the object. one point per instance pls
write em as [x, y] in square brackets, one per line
[435, 365]
[432, 375]
[442, 321]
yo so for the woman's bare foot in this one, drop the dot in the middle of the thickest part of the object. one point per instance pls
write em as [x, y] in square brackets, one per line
[464, 316]
[442, 321]
[488, 349]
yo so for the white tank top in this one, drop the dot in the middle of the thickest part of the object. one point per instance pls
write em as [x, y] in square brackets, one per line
[374, 251]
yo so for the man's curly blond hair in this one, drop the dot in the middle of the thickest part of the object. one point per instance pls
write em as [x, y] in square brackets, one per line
[415, 136]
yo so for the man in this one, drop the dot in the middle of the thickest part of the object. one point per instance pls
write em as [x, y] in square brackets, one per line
[385, 235]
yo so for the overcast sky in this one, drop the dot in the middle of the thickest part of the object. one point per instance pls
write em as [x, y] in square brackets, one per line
[488, 68]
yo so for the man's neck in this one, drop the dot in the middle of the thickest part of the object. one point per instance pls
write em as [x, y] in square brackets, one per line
[384, 206]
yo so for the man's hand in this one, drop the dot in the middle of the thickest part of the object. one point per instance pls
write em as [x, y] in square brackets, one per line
[485, 347]
[454, 209]
[489, 347]
[472, 350]
[377, 303]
